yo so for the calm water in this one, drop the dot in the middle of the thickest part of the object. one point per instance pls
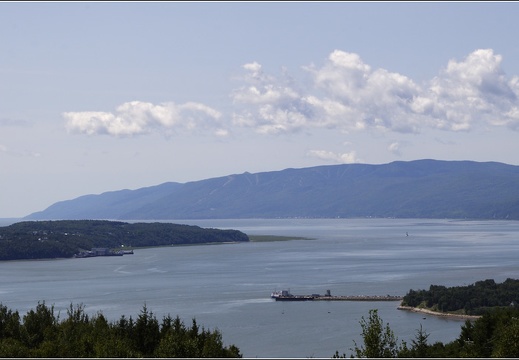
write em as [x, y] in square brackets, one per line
[228, 286]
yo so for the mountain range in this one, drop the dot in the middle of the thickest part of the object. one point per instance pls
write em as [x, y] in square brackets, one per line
[413, 189]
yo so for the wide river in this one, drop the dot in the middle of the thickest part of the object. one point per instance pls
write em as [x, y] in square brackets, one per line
[228, 286]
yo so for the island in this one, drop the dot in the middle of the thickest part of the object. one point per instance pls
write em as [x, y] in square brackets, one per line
[463, 302]
[69, 238]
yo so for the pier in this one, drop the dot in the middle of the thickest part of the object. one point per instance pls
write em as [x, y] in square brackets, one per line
[285, 295]
[361, 298]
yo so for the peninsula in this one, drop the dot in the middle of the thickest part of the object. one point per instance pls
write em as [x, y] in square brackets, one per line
[463, 302]
[66, 238]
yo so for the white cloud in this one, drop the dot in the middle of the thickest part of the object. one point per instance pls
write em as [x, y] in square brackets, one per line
[268, 104]
[472, 92]
[373, 98]
[349, 95]
[254, 70]
[136, 117]
[344, 158]
[394, 148]
[344, 94]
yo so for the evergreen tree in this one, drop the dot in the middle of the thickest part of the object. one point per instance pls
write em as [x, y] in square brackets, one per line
[419, 348]
[506, 340]
[39, 325]
[379, 340]
[147, 332]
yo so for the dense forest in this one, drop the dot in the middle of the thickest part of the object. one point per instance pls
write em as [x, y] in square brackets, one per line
[65, 238]
[474, 299]
[42, 334]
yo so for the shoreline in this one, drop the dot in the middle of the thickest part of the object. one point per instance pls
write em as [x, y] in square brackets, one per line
[440, 314]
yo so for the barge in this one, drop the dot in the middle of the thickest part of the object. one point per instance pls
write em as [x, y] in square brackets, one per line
[285, 295]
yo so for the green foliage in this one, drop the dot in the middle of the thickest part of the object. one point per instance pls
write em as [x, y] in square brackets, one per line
[64, 238]
[41, 334]
[473, 299]
[147, 332]
[494, 335]
[419, 348]
[9, 323]
[379, 340]
[506, 340]
[39, 325]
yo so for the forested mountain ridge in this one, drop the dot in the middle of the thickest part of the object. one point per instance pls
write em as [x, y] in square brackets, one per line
[415, 189]
[65, 238]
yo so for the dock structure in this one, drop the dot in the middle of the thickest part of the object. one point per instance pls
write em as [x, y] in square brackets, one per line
[361, 298]
[285, 295]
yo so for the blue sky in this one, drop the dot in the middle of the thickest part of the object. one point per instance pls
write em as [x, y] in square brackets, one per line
[97, 97]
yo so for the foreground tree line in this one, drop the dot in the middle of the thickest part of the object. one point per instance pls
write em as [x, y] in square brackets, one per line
[494, 335]
[41, 334]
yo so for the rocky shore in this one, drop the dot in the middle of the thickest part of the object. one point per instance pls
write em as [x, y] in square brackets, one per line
[437, 313]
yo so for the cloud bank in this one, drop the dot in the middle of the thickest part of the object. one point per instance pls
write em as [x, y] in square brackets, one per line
[137, 117]
[349, 95]
[344, 158]
[344, 94]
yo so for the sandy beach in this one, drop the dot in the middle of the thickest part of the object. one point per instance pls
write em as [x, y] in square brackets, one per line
[436, 313]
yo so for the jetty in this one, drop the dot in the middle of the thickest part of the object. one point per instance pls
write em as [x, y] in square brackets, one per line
[285, 295]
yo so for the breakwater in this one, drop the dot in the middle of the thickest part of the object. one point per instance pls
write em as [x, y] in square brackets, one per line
[361, 298]
[285, 295]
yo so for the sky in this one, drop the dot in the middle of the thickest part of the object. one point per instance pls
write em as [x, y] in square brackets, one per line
[105, 96]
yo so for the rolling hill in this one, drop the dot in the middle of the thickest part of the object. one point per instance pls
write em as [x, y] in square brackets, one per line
[414, 189]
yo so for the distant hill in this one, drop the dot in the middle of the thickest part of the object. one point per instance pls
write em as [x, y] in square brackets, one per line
[415, 189]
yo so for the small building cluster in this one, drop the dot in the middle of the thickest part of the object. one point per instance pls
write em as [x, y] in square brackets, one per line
[102, 252]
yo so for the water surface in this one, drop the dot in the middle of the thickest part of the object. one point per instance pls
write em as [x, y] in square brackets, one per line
[228, 286]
